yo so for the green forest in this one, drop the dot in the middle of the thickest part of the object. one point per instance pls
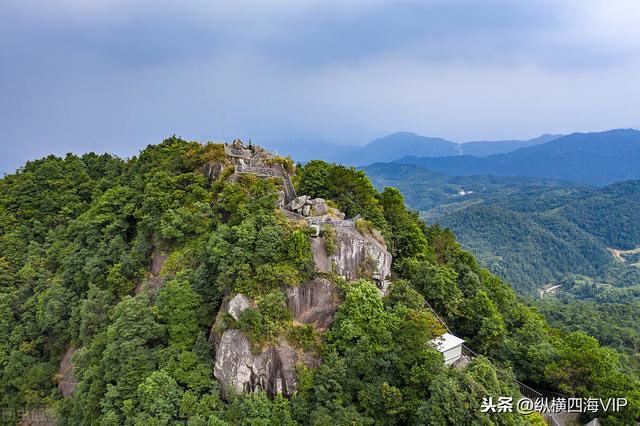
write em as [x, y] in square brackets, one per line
[533, 232]
[79, 237]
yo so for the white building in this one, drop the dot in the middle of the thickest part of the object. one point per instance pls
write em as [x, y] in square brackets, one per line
[450, 346]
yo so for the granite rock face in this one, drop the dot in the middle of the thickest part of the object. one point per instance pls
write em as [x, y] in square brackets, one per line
[313, 302]
[319, 209]
[351, 254]
[355, 256]
[237, 305]
[238, 368]
[321, 258]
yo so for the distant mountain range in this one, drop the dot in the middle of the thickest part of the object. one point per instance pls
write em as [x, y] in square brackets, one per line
[592, 158]
[395, 146]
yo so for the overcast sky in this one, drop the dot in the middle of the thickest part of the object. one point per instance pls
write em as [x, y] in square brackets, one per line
[78, 75]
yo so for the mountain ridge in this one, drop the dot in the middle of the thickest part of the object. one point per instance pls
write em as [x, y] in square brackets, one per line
[395, 146]
[594, 158]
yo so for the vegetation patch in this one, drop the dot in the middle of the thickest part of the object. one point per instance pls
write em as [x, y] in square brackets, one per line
[328, 233]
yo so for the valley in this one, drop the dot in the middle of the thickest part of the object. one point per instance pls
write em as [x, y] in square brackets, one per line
[533, 231]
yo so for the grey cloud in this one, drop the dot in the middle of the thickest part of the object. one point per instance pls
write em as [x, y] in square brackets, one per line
[116, 75]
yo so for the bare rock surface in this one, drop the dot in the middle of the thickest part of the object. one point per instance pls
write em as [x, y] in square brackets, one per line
[298, 202]
[237, 305]
[321, 258]
[213, 170]
[313, 302]
[66, 379]
[359, 255]
[238, 368]
[319, 209]
[154, 282]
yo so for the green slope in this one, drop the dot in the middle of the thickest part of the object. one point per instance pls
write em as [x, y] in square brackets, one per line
[532, 232]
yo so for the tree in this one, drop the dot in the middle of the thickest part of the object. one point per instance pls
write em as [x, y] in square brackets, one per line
[158, 400]
[436, 282]
[130, 349]
[178, 305]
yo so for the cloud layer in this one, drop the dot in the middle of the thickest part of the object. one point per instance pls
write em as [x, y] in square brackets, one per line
[117, 75]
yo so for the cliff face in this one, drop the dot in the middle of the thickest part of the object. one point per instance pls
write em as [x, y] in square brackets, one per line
[357, 256]
[313, 302]
[353, 256]
[272, 370]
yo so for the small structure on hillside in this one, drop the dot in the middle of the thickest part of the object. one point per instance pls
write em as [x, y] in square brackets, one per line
[450, 346]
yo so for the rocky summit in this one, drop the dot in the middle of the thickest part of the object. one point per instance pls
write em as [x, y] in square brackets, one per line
[338, 248]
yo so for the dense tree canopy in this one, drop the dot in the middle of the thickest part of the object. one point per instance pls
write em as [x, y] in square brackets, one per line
[129, 261]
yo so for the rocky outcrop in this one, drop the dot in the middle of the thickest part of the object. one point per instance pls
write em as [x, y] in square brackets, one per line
[357, 256]
[337, 248]
[354, 256]
[307, 206]
[213, 170]
[154, 279]
[237, 305]
[233, 306]
[238, 368]
[313, 302]
[66, 379]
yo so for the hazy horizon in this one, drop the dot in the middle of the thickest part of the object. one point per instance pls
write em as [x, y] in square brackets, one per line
[115, 76]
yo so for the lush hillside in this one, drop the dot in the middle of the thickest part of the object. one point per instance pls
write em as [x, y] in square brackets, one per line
[117, 276]
[592, 158]
[532, 232]
[613, 324]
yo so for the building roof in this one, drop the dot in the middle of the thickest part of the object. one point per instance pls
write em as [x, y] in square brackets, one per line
[446, 341]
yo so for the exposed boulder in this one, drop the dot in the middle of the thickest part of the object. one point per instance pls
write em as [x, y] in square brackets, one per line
[306, 206]
[319, 209]
[236, 305]
[313, 302]
[334, 213]
[298, 202]
[238, 368]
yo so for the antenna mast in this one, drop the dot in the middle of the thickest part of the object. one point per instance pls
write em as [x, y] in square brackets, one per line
[222, 126]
